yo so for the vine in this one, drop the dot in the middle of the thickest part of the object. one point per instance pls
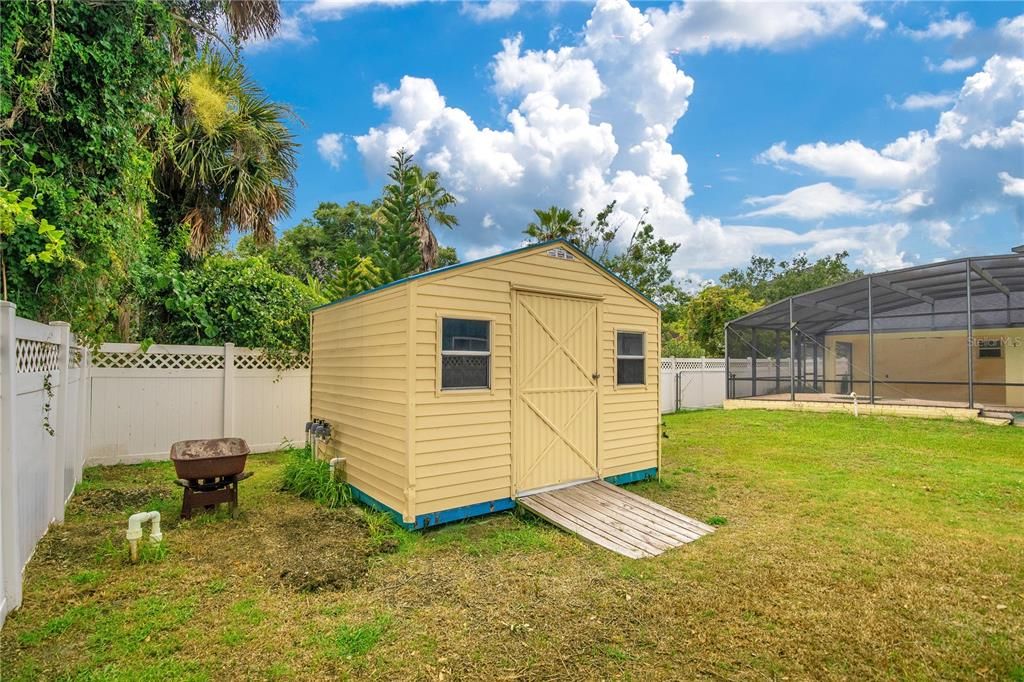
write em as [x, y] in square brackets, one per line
[48, 405]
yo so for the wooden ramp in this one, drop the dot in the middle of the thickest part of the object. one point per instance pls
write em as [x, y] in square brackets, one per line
[615, 518]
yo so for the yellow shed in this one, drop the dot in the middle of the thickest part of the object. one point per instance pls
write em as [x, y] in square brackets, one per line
[453, 392]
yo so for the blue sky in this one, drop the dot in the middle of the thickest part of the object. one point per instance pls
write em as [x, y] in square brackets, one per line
[893, 131]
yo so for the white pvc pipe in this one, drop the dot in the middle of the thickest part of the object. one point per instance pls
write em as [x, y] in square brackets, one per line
[856, 411]
[134, 533]
[335, 464]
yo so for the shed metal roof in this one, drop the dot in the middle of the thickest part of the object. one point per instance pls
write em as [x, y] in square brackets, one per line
[997, 282]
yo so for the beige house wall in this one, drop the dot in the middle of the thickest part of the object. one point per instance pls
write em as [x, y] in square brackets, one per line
[932, 356]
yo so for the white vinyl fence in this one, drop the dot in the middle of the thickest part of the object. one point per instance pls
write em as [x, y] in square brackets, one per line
[688, 383]
[62, 407]
[144, 401]
[43, 404]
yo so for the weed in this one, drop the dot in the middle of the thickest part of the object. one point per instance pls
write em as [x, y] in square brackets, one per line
[88, 577]
[216, 586]
[311, 479]
[354, 641]
[615, 652]
[386, 536]
[717, 520]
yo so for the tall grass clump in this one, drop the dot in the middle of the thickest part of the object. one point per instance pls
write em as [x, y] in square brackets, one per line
[310, 478]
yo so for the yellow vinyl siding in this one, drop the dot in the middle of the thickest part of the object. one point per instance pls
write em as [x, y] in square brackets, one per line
[360, 384]
[418, 449]
[464, 441]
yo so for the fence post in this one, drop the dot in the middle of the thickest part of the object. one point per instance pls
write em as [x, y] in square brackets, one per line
[59, 423]
[10, 543]
[84, 408]
[229, 389]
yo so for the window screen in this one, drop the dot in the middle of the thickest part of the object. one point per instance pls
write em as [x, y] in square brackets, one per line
[465, 354]
[629, 359]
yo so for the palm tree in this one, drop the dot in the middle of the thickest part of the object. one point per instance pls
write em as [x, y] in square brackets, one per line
[430, 204]
[230, 161]
[553, 223]
[248, 19]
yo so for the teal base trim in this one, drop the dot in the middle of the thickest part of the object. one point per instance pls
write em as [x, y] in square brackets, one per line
[434, 518]
[633, 476]
[481, 508]
[459, 513]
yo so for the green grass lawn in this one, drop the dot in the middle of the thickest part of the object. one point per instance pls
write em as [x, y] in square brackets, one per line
[846, 549]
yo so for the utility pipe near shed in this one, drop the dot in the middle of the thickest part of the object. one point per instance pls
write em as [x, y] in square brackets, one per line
[134, 533]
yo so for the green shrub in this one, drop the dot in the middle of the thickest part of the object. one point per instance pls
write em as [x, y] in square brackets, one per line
[310, 478]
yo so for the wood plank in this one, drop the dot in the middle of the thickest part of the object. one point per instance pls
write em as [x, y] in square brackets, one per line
[637, 526]
[664, 510]
[636, 504]
[595, 520]
[670, 535]
[570, 525]
[615, 518]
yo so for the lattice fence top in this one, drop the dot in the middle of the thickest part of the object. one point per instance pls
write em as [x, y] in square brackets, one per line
[137, 360]
[276, 362]
[692, 364]
[36, 356]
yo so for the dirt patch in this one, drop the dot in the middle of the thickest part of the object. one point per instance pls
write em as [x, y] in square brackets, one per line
[322, 549]
[117, 500]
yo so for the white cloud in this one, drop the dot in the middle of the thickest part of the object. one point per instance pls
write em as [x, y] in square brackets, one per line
[956, 27]
[1012, 186]
[952, 65]
[478, 252]
[329, 10]
[926, 100]
[491, 10]
[292, 31]
[948, 170]
[702, 26]
[331, 148]
[849, 159]
[812, 202]
[590, 122]
[1011, 30]
[939, 232]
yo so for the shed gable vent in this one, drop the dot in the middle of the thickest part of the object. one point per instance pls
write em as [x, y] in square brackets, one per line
[561, 253]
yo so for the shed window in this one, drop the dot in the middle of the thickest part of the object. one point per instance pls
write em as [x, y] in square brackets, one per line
[465, 354]
[629, 359]
[990, 348]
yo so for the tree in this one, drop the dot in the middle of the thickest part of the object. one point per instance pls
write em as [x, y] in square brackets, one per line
[226, 299]
[710, 309]
[430, 204]
[554, 222]
[18, 222]
[644, 263]
[230, 161]
[772, 281]
[400, 254]
[355, 273]
[446, 256]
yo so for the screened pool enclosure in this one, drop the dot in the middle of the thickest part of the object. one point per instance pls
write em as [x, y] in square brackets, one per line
[949, 333]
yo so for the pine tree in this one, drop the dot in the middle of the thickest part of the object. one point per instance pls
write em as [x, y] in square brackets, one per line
[399, 241]
[354, 275]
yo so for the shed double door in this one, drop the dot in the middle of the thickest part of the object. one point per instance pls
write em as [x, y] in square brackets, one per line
[556, 391]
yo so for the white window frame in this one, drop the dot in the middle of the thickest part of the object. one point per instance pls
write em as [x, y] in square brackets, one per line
[441, 388]
[643, 344]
